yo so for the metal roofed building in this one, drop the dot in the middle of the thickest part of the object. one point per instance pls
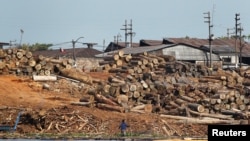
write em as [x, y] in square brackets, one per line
[134, 50]
[179, 51]
[118, 45]
[242, 53]
[3, 44]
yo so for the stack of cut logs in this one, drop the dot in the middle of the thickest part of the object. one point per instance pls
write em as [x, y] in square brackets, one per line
[148, 83]
[19, 61]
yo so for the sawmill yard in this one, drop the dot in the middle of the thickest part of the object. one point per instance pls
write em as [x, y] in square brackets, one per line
[23, 94]
[158, 96]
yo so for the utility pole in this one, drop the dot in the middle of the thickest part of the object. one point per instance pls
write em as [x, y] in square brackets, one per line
[236, 36]
[209, 36]
[229, 33]
[126, 32]
[21, 38]
[130, 32]
[74, 54]
[118, 36]
[241, 46]
[103, 47]
[112, 49]
[11, 43]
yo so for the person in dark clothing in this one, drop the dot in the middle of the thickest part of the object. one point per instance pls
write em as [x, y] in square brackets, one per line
[123, 127]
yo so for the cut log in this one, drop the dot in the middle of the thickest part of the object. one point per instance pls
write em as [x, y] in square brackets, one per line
[234, 113]
[216, 77]
[144, 84]
[219, 116]
[186, 98]
[106, 62]
[125, 88]
[138, 111]
[120, 53]
[47, 72]
[196, 107]
[148, 108]
[103, 99]
[28, 54]
[44, 78]
[2, 65]
[111, 107]
[87, 98]
[117, 70]
[32, 62]
[138, 107]
[113, 79]
[77, 75]
[127, 58]
[202, 121]
[62, 77]
[133, 87]
[38, 67]
[119, 62]
[19, 55]
[81, 103]
[122, 99]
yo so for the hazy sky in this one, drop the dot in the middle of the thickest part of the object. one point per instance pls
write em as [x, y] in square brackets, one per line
[59, 21]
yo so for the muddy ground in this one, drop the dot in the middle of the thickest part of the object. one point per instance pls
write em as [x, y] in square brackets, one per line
[48, 111]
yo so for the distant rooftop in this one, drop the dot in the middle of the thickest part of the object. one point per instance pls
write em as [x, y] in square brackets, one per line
[79, 52]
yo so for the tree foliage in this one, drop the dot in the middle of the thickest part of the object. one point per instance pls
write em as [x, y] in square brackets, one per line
[36, 47]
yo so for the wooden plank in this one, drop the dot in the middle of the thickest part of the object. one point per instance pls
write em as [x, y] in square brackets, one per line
[44, 78]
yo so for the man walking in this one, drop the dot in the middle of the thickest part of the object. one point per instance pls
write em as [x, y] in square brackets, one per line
[123, 126]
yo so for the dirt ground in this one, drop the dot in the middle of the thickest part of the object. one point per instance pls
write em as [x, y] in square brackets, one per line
[22, 93]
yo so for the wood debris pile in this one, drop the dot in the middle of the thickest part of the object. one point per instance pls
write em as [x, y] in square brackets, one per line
[66, 120]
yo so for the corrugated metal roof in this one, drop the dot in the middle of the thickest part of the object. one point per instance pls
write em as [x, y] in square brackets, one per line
[170, 48]
[188, 41]
[118, 45]
[79, 52]
[218, 43]
[4, 44]
[219, 48]
[136, 50]
[150, 42]
[144, 49]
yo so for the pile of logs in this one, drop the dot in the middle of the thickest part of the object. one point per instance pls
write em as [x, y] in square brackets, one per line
[146, 83]
[171, 87]
[147, 63]
[22, 62]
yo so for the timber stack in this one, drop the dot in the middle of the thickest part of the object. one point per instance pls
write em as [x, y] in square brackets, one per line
[146, 83]
[22, 62]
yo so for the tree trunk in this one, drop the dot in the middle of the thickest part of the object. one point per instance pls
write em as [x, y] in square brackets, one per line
[103, 99]
[111, 107]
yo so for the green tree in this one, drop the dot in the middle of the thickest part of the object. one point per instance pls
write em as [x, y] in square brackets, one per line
[247, 37]
[36, 47]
